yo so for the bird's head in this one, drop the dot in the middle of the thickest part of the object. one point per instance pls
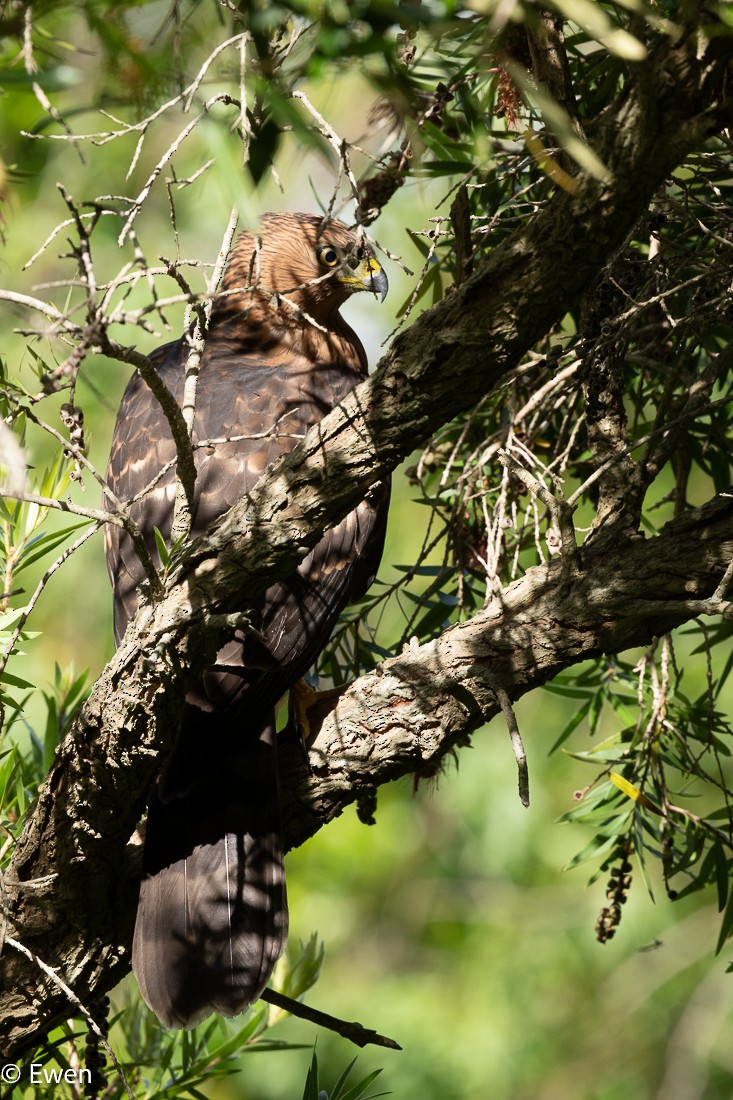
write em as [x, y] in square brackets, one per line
[348, 256]
[315, 263]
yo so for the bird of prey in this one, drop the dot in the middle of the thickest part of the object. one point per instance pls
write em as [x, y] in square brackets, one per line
[212, 914]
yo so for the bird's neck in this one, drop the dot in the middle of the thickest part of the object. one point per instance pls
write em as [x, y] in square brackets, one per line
[257, 325]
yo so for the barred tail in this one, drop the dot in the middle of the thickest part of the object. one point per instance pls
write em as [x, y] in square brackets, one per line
[212, 917]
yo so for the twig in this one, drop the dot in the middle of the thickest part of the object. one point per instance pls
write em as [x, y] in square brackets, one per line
[196, 83]
[74, 1000]
[186, 469]
[62, 506]
[186, 472]
[720, 591]
[31, 68]
[340, 145]
[516, 738]
[434, 237]
[137, 203]
[226, 245]
[42, 307]
[60, 228]
[689, 414]
[73, 449]
[353, 1031]
[560, 510]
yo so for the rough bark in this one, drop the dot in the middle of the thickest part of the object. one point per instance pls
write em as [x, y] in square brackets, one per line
[419, 705]
[71, 886]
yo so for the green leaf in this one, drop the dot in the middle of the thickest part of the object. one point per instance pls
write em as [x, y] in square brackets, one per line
[722, 874]
[15, 681]
[726, 927]
[597, 846]
[296, 974]
[336, 1090]
[360, 1089]
[567, 691]
[599, 26]
[432, 282]
[559, 123]
[310, 1091]
[162, 548]
[39, 546]
[601, 799]
[9, 618]
[594, 714]
[571, 726]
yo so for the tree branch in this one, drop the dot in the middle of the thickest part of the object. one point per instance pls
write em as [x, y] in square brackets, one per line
[418, 706]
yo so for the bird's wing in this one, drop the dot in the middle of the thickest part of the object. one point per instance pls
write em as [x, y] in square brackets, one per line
[212, 915]
[250, 414]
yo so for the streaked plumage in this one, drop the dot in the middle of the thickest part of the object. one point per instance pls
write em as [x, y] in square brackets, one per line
[212, 917]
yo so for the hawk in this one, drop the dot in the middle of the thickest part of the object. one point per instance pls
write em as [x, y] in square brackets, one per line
[212, 914]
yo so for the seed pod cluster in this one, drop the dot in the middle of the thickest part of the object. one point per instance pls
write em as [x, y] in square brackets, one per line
[609, 918]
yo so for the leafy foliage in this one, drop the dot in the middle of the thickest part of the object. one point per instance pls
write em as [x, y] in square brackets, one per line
[155, 1065]
[340, 1091]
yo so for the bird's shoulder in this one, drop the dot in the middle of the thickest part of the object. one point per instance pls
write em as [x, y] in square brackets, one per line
[250, 386]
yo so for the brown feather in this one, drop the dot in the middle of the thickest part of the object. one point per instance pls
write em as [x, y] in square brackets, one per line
[212, 917]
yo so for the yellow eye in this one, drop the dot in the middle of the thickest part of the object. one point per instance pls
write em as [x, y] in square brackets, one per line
[328, 255]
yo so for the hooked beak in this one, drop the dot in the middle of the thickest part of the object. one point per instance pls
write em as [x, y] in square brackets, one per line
[367, 276]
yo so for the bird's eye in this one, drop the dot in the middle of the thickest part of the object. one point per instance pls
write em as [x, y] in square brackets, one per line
[328, 255]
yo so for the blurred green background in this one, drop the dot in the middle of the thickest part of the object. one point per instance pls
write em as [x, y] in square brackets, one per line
[450, 925]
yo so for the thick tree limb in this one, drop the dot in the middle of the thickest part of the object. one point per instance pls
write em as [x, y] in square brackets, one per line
[418, 706]
[71, 887]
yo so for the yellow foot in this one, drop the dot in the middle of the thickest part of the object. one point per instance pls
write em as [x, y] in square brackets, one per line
[301, 701]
